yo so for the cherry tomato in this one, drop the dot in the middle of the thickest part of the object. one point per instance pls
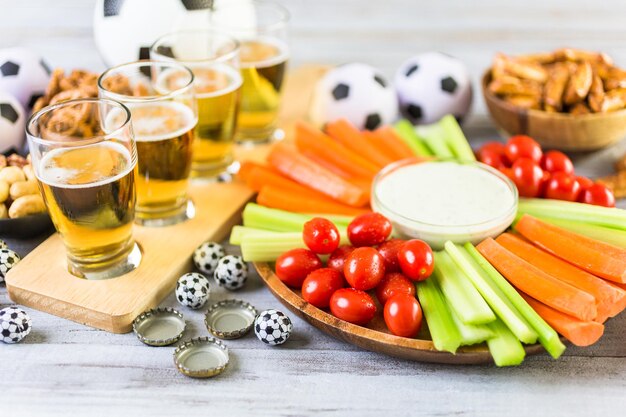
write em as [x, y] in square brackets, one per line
[528, 177]
[598, 195]
[320, 235]
[337, 259]
[394, 283]
[492, 154]
[364, 268]
[369, 229]
[354, 306]
[416, 259]
[508, 172]
[562, 186]
[522, 146]
[293, 266]
[584, 182]
[555, 161]
[320, 285]
[389, 251]
[403, 315]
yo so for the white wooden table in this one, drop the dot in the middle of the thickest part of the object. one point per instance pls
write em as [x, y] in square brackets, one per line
[64, 368]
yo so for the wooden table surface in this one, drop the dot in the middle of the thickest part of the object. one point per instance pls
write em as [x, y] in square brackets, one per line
[64, 368]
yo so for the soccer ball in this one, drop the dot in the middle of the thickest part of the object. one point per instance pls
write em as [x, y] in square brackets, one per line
[206, 257]
[231, 272]
[356, 92]
[15, 324]
[12, 122]
[23, 74]
[272, 327]
[432, 85]
[8, 259]
[192, 290]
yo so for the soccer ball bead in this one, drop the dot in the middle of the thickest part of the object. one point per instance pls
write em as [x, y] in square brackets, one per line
[356, 92]
[231, 272]
[8, 259]
[23, 74]
[432, 85]
[15, 324]
[12, 121]
[192, 290]
[206, 257]
[272, 327]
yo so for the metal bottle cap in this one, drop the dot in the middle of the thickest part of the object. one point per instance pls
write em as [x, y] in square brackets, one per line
[203, 357]
[230, 319]
[160, 326]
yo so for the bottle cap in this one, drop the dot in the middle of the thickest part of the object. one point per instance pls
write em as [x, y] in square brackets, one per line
[230, 319]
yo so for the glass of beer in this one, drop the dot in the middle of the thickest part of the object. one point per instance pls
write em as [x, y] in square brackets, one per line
[85, 167]
[214, 60]
[261, 28]
[163, 112]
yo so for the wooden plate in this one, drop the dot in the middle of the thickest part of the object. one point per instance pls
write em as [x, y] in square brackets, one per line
[374, 337]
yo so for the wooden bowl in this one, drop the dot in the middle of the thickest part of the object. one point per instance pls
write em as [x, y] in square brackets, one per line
[555, 130]
[25, 227]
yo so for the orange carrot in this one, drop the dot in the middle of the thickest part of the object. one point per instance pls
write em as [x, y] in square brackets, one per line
[287, 160]
[609, 299]
[245, 168]
[260, 176]
[400, 148]
[580, 333]
[380, 143]
[302, 202]
[345, 133]
[599, 258]
[539, 285]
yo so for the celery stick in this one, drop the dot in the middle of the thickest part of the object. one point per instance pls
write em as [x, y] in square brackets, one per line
[266, 218]
[406, 131]
[566, 210]
[547, 336]
[456, 139]
[471, 334]
[605, 234]
[238, 232]
[435, 139]
[504, 347]
[462, 297]
[443, 331]
[492, 294]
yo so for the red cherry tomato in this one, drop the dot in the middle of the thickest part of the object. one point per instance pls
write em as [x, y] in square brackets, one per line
[528, 177]
[555, 161]
[320, 285]
[522, 146]
[320, 235]
[354, 306]
[416, 259]
[562, 186]
[598, 195]
[394, 283]
[403, 315]
[337, 259]
[389, 251]
[491, 158]
[293, 266]
[584, 182]
[508, 172]
[493, 146]
[369, 229]
[364, 268]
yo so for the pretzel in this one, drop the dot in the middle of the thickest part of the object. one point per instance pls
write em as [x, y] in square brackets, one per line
[596, 94]
[555, 86]
[579, 83]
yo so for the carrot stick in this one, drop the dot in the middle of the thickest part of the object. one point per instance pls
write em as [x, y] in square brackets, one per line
[287, 160]
[312, 141]
[342, 131]
[400, 148]
[609, 299]
[380, 143]
[599, 258]
[302, 202]
[539, 285]
[245, 168]
[260, 176]
[580, 333]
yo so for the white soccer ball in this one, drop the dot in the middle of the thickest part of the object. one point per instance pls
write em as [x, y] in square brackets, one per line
[231, 272]
[12, 122]
[206, 257]
[23, 74]
[15, 324]
[356, 92]
[272, 327]
[192, 290]
[432, 85]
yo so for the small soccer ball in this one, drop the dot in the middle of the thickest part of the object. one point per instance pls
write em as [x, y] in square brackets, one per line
[192, 290]
[8, 259]
[231, 272]
[356, 92]
[12, 122]
[272, 327]
[432, 85]
[206, 257]
[15, 324]
[23, 74]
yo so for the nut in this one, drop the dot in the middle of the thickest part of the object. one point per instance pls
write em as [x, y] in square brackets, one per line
[25, 205]
[16, 160]
[3, 212]
[22, 188]
[29, 172]
[4, 191]
[12, 174]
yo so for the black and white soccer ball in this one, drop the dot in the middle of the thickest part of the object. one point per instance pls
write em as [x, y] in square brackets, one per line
[356, 92]
[15, 324]
[12, 122]
[231, 272]
[272, 327]
[8, 259]
[432, 85]
[206, 257]
[23, 74]
[192, 290]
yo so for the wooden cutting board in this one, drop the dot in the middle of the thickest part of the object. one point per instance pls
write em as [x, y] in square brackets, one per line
[41, 280]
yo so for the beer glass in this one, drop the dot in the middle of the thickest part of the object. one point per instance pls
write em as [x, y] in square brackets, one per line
[214, 60]
[261, 28]
[85, 166]
[163, 112]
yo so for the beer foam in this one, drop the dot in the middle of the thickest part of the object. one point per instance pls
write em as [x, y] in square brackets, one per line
[161, 121]
[233, 78]
[280, 57]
